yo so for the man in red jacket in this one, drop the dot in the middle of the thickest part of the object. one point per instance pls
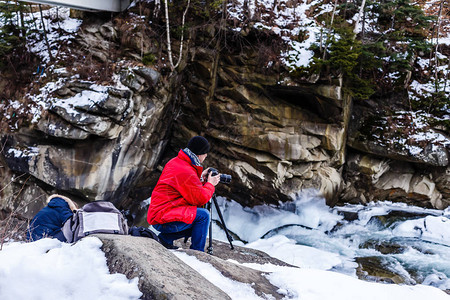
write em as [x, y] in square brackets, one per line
[176, 199]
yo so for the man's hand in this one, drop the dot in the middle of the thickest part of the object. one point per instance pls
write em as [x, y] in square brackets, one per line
[214, 180]
[204, 175]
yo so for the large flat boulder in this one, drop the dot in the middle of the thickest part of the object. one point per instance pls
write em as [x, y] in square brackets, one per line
[161, 274]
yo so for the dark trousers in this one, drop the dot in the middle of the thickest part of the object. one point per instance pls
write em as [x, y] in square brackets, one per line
[198, 230]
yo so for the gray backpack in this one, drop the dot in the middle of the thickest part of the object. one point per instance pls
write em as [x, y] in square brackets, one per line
[94, 217]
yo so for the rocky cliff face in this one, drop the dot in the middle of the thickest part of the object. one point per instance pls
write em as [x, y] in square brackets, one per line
[92, 141]
[382, 166]
[275, 136]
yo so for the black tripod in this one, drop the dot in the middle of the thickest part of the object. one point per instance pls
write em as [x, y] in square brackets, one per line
[229, 237]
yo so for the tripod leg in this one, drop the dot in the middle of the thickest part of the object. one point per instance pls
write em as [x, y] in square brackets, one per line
[210, 248]
[229, 237]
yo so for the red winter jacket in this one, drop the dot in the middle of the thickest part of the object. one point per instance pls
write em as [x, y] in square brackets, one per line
[178, 192]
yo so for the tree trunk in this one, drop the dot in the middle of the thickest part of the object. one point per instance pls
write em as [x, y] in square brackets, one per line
[362, 38]
[32, 16]
[436, 66]
[329, 31]
[169, 47]
[157, 8]
[360, 13]
[45, 34]
[22, 22]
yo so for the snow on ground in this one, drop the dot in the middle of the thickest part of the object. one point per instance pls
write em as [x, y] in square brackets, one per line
[285, 21]
[58, 32]
[417, 90]
[417, 124]
[236, 290]
[289, 251]
[50, 269]
[430, 228]
[312, 284]
[84, 99]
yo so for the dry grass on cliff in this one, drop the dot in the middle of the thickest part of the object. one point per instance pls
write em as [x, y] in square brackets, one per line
[12, 228]
[12, 225]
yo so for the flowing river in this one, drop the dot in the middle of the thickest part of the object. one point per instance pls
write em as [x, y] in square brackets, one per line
[384, 242]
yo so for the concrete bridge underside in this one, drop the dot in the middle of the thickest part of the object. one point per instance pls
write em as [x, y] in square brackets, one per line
[90, 5]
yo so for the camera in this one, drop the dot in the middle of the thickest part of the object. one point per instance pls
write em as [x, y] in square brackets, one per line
[224, 178]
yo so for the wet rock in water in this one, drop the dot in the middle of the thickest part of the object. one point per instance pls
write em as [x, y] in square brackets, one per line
[410, 214]
[348, 215]
[336, 227]
[425, 251]
[395, 216]
[383, 247]
[383, 221]
[377, 269]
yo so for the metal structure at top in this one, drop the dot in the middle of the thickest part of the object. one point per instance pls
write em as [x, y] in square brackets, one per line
[90, 5]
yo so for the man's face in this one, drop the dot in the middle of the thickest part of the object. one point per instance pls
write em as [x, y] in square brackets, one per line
[202, 157]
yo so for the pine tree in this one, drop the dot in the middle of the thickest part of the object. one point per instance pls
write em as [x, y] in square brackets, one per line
[342, 60]
[399, 38]
[404, 27]
[13, 31]
[16, 61]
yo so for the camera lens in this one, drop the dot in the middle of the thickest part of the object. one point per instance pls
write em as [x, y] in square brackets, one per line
[225, 178]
